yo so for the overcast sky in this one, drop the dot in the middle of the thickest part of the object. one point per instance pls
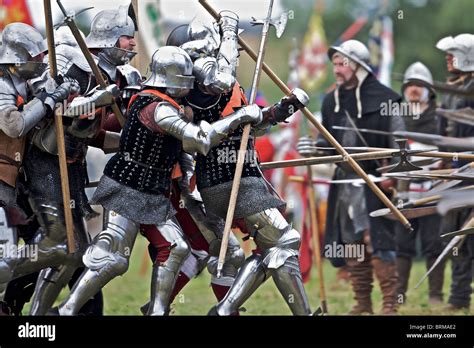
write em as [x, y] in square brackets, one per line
[174, 10]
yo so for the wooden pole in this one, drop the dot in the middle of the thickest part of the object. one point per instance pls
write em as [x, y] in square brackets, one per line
[364, 156]
[60, 133]
[316, 244]
[243, 145]
[141, 60]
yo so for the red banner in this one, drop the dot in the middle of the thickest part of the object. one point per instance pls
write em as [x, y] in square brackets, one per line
[14, 11]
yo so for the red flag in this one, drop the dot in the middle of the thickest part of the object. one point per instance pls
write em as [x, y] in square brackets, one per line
[14, 11]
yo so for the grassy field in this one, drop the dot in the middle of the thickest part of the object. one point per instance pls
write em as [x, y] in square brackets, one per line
[125, 295]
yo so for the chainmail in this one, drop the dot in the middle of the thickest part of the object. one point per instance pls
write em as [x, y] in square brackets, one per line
[253, 198]
[141, 207]
[44, 181]
[218, 167]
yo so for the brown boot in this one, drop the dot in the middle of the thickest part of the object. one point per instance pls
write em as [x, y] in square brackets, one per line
[361, 276]
[403, 269]
[386, 273]
[435, 281]
[343, 274]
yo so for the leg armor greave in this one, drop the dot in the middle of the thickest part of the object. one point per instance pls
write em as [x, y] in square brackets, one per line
[251, 275]
[50, 283]
[52, 280]
[275, 237]
[280, 245]
[105, 259]
[165, 273]
[290, 284]
[50, 241]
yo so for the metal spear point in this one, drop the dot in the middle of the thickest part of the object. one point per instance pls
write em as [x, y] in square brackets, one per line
[453, 200]
[417, 203]
[466, 231]
[465, 177]
[456, 241]
[279, 25]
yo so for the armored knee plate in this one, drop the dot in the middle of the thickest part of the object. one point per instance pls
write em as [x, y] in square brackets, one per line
[50, 241]
[105, 259]
[51, 219]
[275, 237]
[52, 237]
[165, 273]
[179, 248]
[112, 247]
[194, 263]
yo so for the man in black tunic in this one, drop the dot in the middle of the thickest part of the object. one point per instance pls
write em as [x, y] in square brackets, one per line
[361, 101]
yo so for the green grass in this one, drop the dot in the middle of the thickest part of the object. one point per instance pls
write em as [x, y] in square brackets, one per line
[124, 295]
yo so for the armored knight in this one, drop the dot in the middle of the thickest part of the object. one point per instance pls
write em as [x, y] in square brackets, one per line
[43, 177]
[21, 57]
[111, 39]
[213, 100]
[80, 132]
[136, 182]
[114, 48]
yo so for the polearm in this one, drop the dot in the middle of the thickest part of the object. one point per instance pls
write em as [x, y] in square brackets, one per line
[451, 89]
[284, 88]
[465, 144]
[428, 176]
[416, 203]
[69, 20]
[59, 132]
[465, 116]
[456, 241]
[466, 155]
[243, 145]
[321, 181]
[364, 156]
[316, 246]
